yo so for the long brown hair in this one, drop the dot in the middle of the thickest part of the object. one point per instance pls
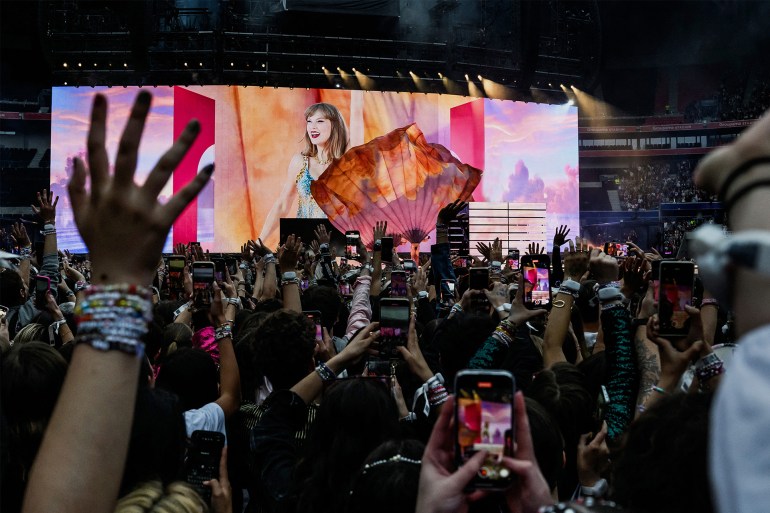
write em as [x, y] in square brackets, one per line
[338, 139]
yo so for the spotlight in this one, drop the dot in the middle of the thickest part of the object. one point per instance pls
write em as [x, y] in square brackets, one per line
[65, 83]
[323, 68]
[64, 65]
[232, 64]
[263, 64]
[480, 77]
[80, 65]
[467, 77]
[94, 65]
[125, 64]
[571, 102]
[200, 64]
[185, 64]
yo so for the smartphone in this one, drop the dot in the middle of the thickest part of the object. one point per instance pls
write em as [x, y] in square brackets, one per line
[352, 237]
[655, 279]
[345, 289]
[463, 261]
[379, 368]
[512, 260]
[394, 325]
[387, 249]
[676, 286]
[410, 266]
[484, 422]
[447, 292]
[42, 286]
[203, 274]
[315, 317]
[537, 281]
[176, 265]
[202, 461]
[616, 249]
[304, 284]
[398, 284]
[232, 266]
[219, 269]
[479, 280]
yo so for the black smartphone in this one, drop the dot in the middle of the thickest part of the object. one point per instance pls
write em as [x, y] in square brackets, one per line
[410, 266]
[352, 237]
[479, 280]
[398, 284]
[387, 249]
[345, 289]
[202, 461]
[219, 269]
[202, 278]
[512, 260]
[676, 286]
[176, 265]
[315, 317]
[232, 266]
[484, 422]
[537, 281]
[42, 286]
[394, 325]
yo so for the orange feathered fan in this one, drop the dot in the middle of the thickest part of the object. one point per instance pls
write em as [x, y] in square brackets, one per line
[399, 178]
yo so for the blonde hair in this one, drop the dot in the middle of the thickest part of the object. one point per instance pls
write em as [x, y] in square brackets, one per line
[338, 140]
[150, 497]
[32, 332]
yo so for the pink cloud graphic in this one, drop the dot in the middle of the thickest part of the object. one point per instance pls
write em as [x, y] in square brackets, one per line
[563, 194]
[522, 188]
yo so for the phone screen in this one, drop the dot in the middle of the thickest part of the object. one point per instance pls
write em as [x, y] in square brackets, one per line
[176, 273]
[410, 266]
[484, 422]
[398, 284]
[447, 292]
[202, 278]
[479, 278]
[676, 287]
[351, 244]
[202, 463]
[345, 289]
[655, 279]
[463, 261]
[315, 317]
[42, 285]
[537, 282]
[512, 261]
[394, 325]
[387, 249]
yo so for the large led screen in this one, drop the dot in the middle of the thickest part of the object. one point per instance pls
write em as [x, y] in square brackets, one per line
[528, 152]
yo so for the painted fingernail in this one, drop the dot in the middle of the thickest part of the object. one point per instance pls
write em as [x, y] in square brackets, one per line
[209, 170]
[194, 125]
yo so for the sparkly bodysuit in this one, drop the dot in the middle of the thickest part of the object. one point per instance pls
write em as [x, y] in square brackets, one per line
[306, 205]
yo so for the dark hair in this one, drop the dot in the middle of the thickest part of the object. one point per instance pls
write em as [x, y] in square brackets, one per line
[326, 300]
[191, 374]
[356, 415]
[458, 339]
[283, 347]
[547, 441]
[587, 302]
[391, 484]
[663, 465]
[10, 286]
[163, 312]
[32, 377]
[562, 392]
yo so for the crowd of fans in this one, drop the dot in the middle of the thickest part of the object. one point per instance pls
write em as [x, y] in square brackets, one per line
[650, 184]
[116, 367]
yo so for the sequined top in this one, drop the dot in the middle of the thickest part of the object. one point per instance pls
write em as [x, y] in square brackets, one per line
[306, 205]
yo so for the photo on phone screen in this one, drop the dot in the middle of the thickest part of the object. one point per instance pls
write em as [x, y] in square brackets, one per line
[447, 292]
[345, 289]
[512, 260]
[655, 279]
[398, 284]
[202, 278]
[351, 244]
[202, 462]
[315, 317]
[537, 281]
[387, 249]
[484, 422]
[394, 325]
[676, 288]
[463, 261]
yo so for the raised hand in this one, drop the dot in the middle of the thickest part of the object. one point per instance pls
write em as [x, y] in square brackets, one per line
[380, 230]
[19, 235]
[322, 235]
[134, 212]
[575, 263]
[412, 354]
[560, 237]
[484, 250]
[450, 212]
[419, 282]
[533, 248]
[288, 253]
[604, 268]
[46, 209]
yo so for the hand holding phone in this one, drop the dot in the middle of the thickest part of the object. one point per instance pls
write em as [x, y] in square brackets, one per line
[42, 286]
[202, 278]
[202, 462]
[536, 270]
[394, 325]
[676, 287]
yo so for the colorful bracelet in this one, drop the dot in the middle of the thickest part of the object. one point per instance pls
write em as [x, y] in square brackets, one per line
[324, 372]
[223, 331]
